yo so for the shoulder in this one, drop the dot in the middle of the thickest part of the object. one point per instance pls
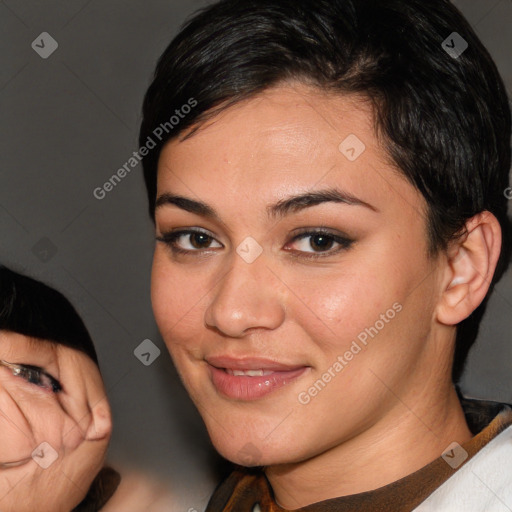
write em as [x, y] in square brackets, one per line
[483, 483]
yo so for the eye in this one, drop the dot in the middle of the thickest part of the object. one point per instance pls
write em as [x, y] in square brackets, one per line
[34, 375]
[318, 243]
[188, 241]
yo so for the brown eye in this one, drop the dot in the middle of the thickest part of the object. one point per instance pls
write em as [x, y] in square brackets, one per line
[200, 240]
[319, 243]
[322, 242]
[188, 241]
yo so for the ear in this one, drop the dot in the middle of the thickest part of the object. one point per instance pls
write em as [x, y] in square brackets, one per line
[470, 268]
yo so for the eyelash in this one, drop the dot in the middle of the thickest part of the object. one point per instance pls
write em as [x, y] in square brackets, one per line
[34, 375]
[170, 238]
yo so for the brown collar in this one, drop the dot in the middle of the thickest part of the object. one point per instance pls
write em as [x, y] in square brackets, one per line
[246, 488]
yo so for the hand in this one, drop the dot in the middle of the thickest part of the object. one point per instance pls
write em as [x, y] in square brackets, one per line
[70, 427]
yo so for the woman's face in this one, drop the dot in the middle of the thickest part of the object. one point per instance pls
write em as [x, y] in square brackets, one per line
[53, 442]
[297, 319]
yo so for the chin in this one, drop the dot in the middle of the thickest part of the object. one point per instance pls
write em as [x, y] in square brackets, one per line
[250, 450]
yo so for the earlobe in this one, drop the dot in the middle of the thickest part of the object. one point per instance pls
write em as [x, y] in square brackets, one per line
[470, 268]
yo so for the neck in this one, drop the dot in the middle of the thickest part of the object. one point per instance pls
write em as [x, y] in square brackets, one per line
[404, 441]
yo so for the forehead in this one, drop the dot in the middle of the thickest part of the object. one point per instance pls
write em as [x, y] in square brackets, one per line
[286, 139]
[15, 341]
[16, 347]
[289, 122]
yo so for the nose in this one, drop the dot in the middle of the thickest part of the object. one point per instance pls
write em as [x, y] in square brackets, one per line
[247, 297]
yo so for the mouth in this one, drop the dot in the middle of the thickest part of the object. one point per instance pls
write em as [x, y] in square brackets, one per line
[247, 373]
[250, 378]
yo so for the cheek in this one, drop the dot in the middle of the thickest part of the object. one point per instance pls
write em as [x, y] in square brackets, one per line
[175, 298]
[30, 419]
[51, 424]
[15, 432]
[335, 307]
[164, 299]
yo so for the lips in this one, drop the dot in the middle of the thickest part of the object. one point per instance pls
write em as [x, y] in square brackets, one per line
[250, 378]
[250, 363]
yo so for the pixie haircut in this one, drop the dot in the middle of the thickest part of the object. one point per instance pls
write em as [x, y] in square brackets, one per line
[443, 120]
[33, 309]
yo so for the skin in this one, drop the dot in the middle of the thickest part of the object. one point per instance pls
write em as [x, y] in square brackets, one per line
[137, 491]
[76, 422]
[393, 408]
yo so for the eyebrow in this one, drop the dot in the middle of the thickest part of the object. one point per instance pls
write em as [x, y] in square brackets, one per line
[279, 209]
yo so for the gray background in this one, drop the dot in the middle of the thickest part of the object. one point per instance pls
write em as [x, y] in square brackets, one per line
[68, 123]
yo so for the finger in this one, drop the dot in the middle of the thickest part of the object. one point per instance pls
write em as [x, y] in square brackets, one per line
[73, 397]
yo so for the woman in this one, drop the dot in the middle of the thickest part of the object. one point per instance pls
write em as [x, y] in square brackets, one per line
[55, 420]
[326, 180]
